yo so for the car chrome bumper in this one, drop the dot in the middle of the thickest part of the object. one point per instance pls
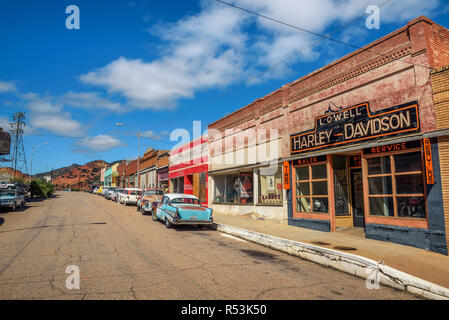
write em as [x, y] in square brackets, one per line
[187, 222]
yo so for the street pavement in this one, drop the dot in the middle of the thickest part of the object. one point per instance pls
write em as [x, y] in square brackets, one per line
[124, 255]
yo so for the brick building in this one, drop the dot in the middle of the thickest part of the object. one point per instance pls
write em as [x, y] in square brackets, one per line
[360, 143]
[153, 169]
[127, 174]
[188, 169]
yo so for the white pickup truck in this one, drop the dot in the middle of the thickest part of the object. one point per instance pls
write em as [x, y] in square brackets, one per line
[5, 185]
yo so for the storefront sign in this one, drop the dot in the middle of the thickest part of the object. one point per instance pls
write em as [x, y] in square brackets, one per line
[393, 147]
[5, 143]
[356, 123]
[310, 160]
[428, 160]
[355, 161]
[286, 175]
[271, 184]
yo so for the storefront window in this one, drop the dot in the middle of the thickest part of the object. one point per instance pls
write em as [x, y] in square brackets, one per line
[226, 189]
[311, 189]
[177, 185]
[396, 186]
[270, 188]
[234, 188]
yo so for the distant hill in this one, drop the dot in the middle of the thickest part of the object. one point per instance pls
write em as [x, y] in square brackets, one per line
[76, 175]
[6, 172]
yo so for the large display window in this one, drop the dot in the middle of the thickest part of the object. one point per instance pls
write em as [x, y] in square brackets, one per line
[234, 188]
[270, 187]
[311, 194]
[396, 185]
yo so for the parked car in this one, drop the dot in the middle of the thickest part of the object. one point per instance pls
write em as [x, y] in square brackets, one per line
[114, 194]
[182, 209]
[108, 191]
[149, 200]
[5, 185]
[129, 196]
[11, 198]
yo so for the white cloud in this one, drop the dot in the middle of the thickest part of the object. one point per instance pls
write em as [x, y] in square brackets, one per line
[150, 135]
[90, 100]
[203, 51]
[222, 45]
[100, 143]
[60, 124]
[7, 87]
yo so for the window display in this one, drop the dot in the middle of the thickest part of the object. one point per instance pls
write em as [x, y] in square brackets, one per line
[311, 189]
[270, 188]
[396, 185]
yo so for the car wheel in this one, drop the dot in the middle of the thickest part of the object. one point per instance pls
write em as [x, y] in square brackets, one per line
[153, 215]
[168, 224]
[22, 204]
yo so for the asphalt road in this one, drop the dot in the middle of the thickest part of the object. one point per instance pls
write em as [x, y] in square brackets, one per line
[124, 255]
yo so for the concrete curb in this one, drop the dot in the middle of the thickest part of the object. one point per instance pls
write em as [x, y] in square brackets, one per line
[350, 263]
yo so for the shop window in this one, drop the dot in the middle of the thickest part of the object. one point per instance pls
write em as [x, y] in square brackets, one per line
[177, 185]
[396, 185]
[270, 187]
[234, 188]
[226, 189]
[311, 189]
[246, 187]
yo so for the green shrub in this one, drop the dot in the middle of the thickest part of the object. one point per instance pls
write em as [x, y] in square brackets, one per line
[41, 188]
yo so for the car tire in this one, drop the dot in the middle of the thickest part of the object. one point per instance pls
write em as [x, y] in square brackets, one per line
[168, 224]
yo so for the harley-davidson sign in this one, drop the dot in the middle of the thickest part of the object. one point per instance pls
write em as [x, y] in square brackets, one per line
[356, 123]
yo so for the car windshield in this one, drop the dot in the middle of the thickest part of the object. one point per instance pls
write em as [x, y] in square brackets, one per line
[135, 192]
[154, 193]
[186, 201]
[7, 193]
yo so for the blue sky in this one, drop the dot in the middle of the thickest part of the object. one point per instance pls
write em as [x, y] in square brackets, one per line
[159, 65]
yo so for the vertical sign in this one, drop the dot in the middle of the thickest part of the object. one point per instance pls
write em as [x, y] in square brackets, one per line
[286, 175]
[428, 161]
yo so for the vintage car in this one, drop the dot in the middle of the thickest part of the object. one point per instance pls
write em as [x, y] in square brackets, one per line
[113, 195]
[182, 209]
[11, 198]
[107, 191]
[129, 196]
[149, 200]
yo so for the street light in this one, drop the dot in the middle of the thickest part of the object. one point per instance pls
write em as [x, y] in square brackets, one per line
[32, 153]
[119, 124]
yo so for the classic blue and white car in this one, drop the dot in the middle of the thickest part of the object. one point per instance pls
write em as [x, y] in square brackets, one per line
[181, 209]
[11, 198]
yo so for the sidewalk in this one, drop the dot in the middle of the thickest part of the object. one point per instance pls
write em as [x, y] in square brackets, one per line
[429, 266]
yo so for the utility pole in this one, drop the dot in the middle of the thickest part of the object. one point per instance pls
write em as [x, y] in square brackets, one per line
[18, 161]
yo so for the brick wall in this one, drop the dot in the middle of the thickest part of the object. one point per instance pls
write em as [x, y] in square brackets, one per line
[440, 88]
[443, 146]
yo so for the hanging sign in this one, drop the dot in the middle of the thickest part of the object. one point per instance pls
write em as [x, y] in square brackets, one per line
[428, 160]
[286, 175]
[354, 124]
[5, 142]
